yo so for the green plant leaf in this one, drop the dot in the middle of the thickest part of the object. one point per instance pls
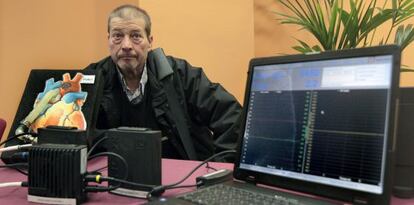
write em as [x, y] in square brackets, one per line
[305, 48]
[404, 35]
[334, 25]
[404, 10]
[349, 25]
[305, 45]
[405, 68]
[300, 49]
[316, 48]
[377, 20]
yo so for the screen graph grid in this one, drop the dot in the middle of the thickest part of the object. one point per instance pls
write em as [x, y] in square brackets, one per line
[337, 134]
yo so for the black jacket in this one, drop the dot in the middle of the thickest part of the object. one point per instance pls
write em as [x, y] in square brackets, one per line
[199, 117]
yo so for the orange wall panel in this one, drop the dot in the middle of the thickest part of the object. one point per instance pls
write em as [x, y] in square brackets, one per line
[216, 35]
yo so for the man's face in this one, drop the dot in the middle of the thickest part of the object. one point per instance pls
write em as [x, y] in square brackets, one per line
[129, 44]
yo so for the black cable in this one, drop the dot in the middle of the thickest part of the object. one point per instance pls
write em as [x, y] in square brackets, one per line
[16, 136]
[14, 165]
[201, 164]
[115, 155]
[156, 191]
[208, 167]
[20, 171]
[127, 182]
[100, 188]
[184, 186]
[96, 144]
[108, 188]
[98, 170]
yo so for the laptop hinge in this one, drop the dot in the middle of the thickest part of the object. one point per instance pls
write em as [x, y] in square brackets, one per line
[251, 180]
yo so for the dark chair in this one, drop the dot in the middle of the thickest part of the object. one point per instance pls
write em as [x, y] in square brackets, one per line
[2, 127]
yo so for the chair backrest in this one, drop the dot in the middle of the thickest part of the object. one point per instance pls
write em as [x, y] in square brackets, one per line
[2, 127]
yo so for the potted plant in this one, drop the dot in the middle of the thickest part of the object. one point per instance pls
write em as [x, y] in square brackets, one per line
[339, 24]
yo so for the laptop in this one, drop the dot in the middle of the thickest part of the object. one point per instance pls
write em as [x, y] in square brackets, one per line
[320, 124]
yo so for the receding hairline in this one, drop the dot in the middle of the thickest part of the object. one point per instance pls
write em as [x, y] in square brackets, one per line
[130, 12]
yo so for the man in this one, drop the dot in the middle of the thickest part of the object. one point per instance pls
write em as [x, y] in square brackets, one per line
[145, 88]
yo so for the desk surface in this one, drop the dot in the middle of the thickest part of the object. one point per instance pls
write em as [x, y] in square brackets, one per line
[173, 170]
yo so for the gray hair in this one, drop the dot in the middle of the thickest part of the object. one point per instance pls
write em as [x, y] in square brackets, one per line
[129, 12]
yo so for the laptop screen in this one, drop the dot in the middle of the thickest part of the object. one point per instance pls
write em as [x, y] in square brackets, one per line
[321, 121]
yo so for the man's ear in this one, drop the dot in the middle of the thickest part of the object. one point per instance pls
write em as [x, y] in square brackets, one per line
[150, 40]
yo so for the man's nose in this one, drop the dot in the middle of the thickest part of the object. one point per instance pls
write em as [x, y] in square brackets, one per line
[126, 43]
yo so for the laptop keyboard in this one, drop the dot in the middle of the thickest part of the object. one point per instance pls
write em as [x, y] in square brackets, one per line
[222, 194]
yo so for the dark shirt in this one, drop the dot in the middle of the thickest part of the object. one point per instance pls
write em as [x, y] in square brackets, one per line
[142, 115]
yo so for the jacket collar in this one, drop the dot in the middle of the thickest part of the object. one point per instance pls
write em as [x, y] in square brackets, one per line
[158, 62]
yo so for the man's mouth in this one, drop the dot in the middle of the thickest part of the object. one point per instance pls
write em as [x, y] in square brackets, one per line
[127, 57]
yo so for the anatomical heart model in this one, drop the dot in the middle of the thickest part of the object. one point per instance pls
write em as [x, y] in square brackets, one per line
[59, 104]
